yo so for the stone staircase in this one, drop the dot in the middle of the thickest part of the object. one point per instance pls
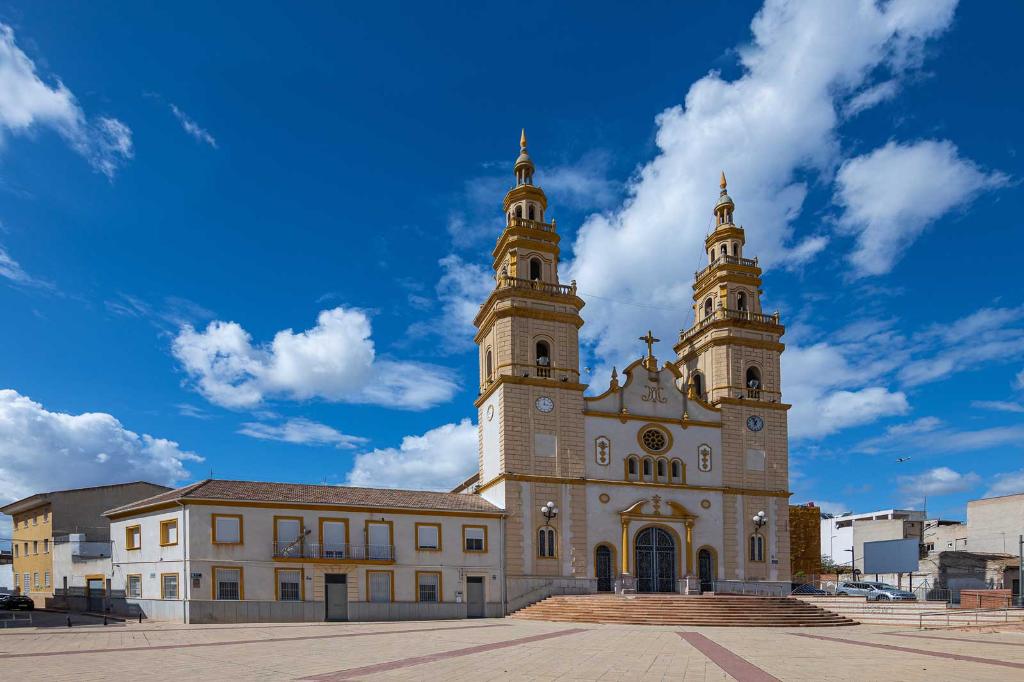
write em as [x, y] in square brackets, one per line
[909, 613]
[676, 609]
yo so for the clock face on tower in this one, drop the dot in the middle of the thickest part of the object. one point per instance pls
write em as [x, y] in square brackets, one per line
[545, 404]
[755, 422]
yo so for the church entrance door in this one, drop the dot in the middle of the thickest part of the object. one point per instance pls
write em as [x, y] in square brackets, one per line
[655, 561]
[604, 568]
[706, 570]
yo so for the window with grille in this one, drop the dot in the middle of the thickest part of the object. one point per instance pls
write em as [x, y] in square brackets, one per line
[756, 548]
[546, 542]
[289, 585]
[380, 586]
[229, 583]
[134, 587]
[169, 586]
[429, 586]
[46, 579]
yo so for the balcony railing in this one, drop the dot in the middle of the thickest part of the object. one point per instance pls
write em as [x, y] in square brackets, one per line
[725, 260]
[507, 282]
[348, 552]
[532, 224]
[728, 314]
[517, 369]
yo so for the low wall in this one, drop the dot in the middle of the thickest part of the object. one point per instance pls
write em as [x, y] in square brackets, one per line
[313, 611]
[985, 599]
[525, 590]
[761, 588]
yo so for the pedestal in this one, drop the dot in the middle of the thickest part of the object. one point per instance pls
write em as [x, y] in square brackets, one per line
[625, 584]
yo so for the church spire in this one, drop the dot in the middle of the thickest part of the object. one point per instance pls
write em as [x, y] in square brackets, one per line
[524, 164]
[724, 207]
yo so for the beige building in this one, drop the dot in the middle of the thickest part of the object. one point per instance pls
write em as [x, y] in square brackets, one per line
[994, 524]
[40, 520]
[659, 477]
[241, 551]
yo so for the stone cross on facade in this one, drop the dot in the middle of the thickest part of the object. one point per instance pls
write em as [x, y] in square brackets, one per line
[649, 339]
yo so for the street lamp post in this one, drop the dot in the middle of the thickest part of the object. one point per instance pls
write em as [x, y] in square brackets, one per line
[549, 511]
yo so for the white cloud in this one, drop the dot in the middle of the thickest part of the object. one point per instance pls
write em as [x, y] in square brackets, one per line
[1009, 483]
[42, 450]
[764, 128]
[998, 405]
[334, 361]
[834, 508]
[301, 431]
[892, 194]
[461, 290]
[26, 102]
[1019, 379]
[193, 128]
[583, 184]
[869, 97]
[440, 459]
[12, 271]
[937, 481]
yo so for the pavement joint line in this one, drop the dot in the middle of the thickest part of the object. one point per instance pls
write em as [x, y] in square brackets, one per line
[909, 650]
[959, 639]
[239, 642]
[734, 665]
[400, 663]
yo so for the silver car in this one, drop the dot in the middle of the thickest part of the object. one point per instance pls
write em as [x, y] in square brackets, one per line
[853, 589]
[887, 592]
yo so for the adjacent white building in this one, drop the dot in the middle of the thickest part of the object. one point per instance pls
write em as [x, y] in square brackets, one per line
[845, 532]
[238, 551]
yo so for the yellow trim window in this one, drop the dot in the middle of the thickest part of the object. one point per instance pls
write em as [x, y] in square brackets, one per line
[289, 584]
[428, 537]
[380, 586]
[168, 585]
[133, 537]
[133, 586]
[428, 586]
[228, 583]
[168, 532]
[474, 538]
[227, 529]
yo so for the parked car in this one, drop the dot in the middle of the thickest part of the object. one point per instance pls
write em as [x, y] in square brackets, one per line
[808, 589]
[16, 601]
[887, 592]
[853, 589]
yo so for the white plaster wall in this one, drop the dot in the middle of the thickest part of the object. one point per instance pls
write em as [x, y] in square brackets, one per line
[835, 547]
[491, 456]
[150, 560]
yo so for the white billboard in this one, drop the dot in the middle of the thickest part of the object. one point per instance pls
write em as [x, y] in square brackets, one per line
[891, 556]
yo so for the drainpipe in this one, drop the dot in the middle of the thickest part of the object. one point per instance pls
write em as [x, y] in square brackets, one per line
[184, 564]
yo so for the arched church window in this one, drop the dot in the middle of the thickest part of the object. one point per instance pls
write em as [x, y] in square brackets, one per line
[519, 211]
[725, 250]
[709, 307]
[741, 302]
[677, 471]
[546, 542]
[756, 547]
[489, 365]
[535, 269]
[698, 385]
[735, 249]
[543, 359]
[531, 212]
[661, 469]
[631, 468]
[648, 469]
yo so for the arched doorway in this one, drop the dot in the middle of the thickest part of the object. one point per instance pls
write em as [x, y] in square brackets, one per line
[655, 561]
[706, 569]
[603, 559]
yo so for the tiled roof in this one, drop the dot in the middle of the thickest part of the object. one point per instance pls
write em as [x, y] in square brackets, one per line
[297, 493]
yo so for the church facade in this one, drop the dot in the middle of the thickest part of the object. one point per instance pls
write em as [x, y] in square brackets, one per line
[678, 470]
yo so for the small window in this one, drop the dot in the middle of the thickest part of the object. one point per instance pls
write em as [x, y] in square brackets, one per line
[735, 249]
[698, 385]
[488, 364]
[428, 586]
[756, 548]
[168, 585]
[133, 587]
[46, 546]
[379, 585]
[677, 471]
[661, 469]
[289, 585]
[428, 536]
[631, 467]
[46, 579]
[647, 468]
[169, 532]
[546, 543]
[741, 302]
[35, 520]
[535, 269]
[229, 583]
[475, 538]
[133, 537]
[708, 308]
[725, 250]
[531, 213]
[35, 580]
[519, 211]
[227, 530]
[35, 546]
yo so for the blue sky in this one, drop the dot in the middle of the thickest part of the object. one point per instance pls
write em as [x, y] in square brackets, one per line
[252, 242]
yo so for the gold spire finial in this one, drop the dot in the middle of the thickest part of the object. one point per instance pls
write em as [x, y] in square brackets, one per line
[722, 183]
[522, 139]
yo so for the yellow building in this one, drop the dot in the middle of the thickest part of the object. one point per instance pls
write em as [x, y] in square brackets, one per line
[40, 520]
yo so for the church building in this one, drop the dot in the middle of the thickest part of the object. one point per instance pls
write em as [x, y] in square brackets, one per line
[678, 470]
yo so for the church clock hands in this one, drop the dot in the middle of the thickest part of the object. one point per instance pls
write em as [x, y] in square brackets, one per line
[755, 422]
[545, 404]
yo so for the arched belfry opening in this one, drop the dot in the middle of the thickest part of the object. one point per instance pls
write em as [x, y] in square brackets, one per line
[543, 359]
[753, 382]
[535, 269]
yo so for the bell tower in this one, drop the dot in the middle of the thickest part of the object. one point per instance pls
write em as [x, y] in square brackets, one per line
[730, 360]
[530, 407]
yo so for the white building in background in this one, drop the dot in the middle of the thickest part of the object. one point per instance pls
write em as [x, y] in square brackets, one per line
[843, 532]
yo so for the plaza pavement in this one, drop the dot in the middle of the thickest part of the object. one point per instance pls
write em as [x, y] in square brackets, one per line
[503, 649]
